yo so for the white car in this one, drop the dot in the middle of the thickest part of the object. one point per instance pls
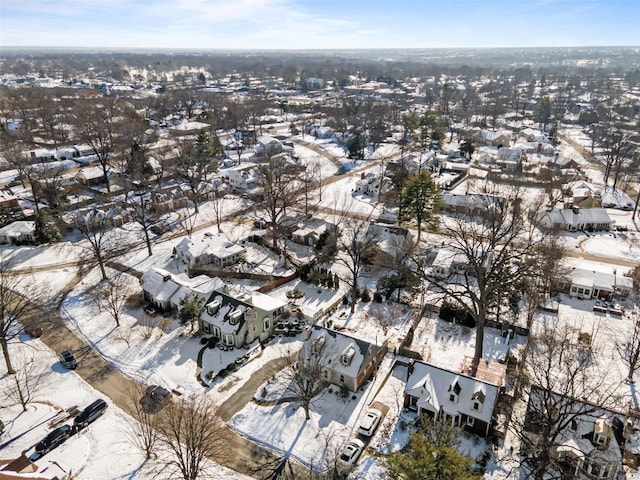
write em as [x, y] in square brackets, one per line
[349, 455]
[370, 422]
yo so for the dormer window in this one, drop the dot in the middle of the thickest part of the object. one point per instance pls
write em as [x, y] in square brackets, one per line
[234, 317]
[318, 343]
[602, 431]
[347, 355]
[213, 307]
[477, 400]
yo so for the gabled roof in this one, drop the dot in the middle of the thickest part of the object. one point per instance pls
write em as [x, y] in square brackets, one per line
[433, 385]
[568, 216]
[336, 343]
[218, 245]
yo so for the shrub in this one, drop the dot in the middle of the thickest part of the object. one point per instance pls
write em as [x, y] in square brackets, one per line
[223, 373]
[209, 375]
[204, 341]
[454, 312]
[231, 367]
[377, 297]
[366, 296]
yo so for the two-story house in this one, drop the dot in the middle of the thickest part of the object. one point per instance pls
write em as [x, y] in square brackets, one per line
[449, 396]
[211, 249]
[240, 317]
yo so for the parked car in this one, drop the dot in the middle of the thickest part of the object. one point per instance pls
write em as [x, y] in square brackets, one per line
[68, 360]
[90, 413]
[350, 454]
[155, 398]
[33, 330]
[370, 422]
[53, 439]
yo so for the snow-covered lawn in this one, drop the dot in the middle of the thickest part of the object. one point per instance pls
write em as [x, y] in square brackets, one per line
[101, 451]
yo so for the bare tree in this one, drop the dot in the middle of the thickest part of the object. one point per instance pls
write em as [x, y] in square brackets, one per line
[562, 385]
[95, 122]
[14, 308]
[498, 247]
[191, 434]
[276, 191]
[629, 345]
[303, 373]
[26, 381]
[101, 241]
[143, 422]
[111, 296]
[357, 248]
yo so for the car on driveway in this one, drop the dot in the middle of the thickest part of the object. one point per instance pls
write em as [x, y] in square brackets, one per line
[350, 454]
[68, 360]
[370, 422]
[53, 439]
[90, 413]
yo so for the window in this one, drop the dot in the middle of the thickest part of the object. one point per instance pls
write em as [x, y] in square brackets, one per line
[471, 421]
[413, 402]
[341, 378]
[476, 405]
[228, 339]
[267, 323]
[453, 398]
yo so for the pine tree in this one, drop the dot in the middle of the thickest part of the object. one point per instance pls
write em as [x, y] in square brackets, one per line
[45, 231]
[431, 455]
[420, 200]
[190, 308]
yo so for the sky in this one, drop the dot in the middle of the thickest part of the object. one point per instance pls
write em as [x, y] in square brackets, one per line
[318, 24]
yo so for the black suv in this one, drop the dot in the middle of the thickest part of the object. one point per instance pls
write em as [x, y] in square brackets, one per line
[55, 438]
[90, 414]
[68, 360]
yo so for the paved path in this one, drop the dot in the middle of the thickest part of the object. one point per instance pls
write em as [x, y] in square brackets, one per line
[247, 458]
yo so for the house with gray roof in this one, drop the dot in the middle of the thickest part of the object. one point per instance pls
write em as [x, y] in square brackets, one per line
[212, 249]
[449, 396]
[165, 290]
[348, 361]
[240, 317]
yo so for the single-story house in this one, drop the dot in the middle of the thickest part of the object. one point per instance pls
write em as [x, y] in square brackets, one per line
[348, 361]
[448, 262]
[18, 233]
[240, 317]
[449, 396]
[214, 249]
[165, 290]
[393, 241]
[577, 219]
[90, 176]
[585, 282]
[471, 203]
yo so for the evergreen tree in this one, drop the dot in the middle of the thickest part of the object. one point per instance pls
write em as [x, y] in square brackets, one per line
[190, 308]
[45, 230]
[420, 200]
[431, 455]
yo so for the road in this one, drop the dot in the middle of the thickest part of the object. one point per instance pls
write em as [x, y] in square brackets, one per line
[248, 458]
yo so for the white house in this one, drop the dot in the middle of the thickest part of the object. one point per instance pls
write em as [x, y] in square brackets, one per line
[241, 177]
[589, 447]
[166, 290]
[577, 219]
[17, 233]
[449, 396]
[213, 249]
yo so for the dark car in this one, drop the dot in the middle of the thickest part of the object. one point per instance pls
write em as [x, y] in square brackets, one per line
[91, 413]
[33, 330]
[68, 360]
[155, 398]
[55, 438]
